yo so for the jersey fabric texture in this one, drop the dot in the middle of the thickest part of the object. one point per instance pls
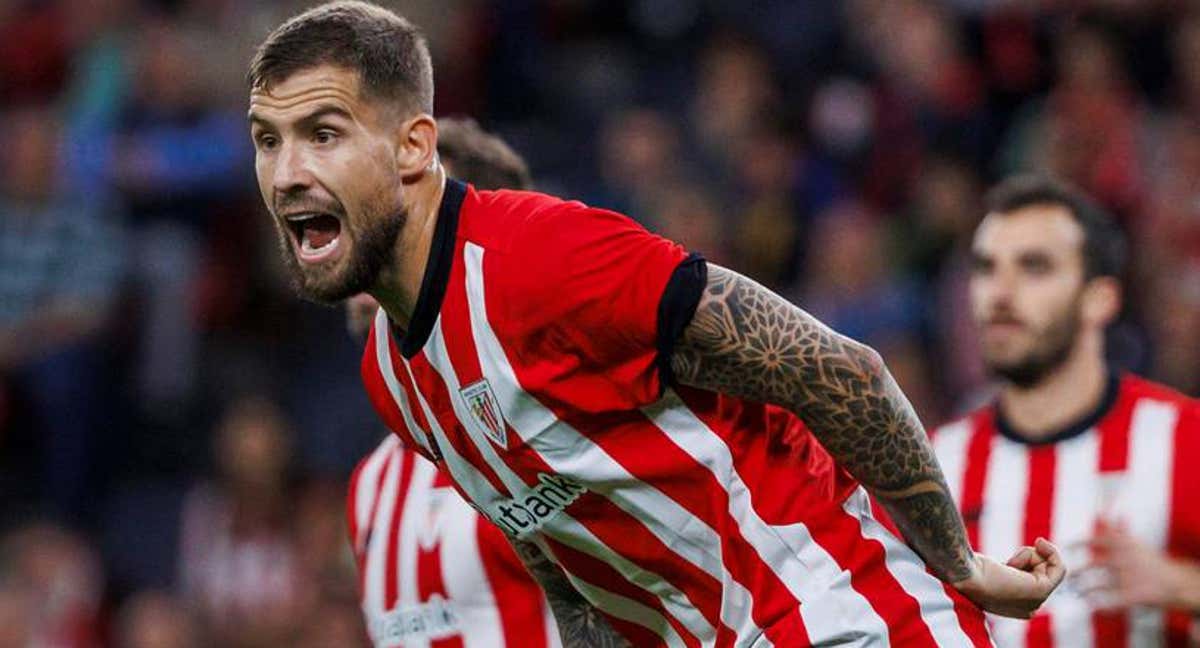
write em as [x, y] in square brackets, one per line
[533, 372]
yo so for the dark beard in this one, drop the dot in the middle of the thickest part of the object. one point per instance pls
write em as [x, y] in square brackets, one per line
[1057, 342]
[372, 252]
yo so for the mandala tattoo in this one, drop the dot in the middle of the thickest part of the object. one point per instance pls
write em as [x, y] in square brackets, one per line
[746, 341]
[580, 624]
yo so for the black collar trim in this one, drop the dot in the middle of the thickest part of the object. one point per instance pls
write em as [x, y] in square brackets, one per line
[1111, 391]
[437, 270]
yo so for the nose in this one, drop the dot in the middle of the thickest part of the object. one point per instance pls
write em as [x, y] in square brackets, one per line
[990, 289]
[1004, 283]
[292, 172]
[997, 291]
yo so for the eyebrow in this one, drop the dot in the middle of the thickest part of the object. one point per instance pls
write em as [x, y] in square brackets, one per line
[321, 111]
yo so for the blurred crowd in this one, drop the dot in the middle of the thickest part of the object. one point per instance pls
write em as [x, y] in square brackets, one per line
[176, 427]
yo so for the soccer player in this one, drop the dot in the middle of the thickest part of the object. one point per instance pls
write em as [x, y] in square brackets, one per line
[1101, 463]
[429, 568]
[642, 424]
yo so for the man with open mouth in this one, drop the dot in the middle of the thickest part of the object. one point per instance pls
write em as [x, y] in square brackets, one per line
[680, 456]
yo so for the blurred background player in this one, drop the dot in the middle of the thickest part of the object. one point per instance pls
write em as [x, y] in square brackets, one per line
[430, 566]
[1102, 463]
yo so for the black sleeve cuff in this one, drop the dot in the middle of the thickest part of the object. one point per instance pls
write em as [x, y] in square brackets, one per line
[675, 310]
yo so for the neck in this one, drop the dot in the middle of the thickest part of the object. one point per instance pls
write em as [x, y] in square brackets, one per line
[1064, 396]
[400, 284]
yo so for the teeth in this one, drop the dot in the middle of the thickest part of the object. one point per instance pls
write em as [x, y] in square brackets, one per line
[300, 218]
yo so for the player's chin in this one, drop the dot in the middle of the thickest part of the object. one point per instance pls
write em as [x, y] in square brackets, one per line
[325, 285]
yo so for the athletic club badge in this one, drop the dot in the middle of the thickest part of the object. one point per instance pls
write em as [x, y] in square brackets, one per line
[485, 411]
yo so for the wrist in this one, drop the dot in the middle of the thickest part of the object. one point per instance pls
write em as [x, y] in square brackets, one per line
[974, 571]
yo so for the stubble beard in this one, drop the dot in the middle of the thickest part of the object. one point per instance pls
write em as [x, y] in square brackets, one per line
[373, 249]
[1052, 348]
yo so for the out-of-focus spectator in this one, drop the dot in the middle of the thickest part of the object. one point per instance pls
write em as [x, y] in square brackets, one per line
[689, 215]
[941, 215]
[932, 241]
[640, 153]
[50, 589]
[332, 622]
[768, 234]
[736, 91]
[1091, 128]
[60, 269]
[239, 564]
[176, 161]
[928, 92]
[849, 283]
[156, 620]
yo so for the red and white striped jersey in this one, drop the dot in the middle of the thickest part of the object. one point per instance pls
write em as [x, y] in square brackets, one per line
[531, 372]
[431, 572]
[1133, 461]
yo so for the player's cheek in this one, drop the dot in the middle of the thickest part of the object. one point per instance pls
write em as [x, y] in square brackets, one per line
[263, 173]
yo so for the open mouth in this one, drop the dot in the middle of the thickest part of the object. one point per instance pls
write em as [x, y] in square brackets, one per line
[316, 234]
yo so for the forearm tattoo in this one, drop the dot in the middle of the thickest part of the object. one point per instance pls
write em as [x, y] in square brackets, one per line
[748, 342]
[580, 624]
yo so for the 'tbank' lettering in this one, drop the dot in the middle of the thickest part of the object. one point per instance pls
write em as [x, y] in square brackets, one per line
[528, 512]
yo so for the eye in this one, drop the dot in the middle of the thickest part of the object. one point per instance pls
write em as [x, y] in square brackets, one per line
[1037, 266]
[267, 141]
[324, 136]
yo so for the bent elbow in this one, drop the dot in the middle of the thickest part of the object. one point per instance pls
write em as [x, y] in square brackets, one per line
[866, 357]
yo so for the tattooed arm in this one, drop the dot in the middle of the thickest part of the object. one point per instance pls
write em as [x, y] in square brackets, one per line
[748, 342]
[580, 624]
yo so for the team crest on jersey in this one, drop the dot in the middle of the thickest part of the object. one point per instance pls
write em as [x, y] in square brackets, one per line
[485, 411]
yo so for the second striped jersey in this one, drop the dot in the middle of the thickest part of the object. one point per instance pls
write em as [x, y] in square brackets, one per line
[1132, 462]
[533, 370]
[432, 573]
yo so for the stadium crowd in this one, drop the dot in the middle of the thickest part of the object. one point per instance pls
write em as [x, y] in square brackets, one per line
[176, 429]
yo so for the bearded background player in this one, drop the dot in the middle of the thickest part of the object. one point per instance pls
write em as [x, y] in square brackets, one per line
[630, 414]
[430, 569]
[1101, 463]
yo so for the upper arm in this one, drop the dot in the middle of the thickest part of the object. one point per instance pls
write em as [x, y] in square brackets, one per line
[749, 342]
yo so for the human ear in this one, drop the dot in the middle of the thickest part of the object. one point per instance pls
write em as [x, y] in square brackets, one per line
[1102, 300]
[417, 149]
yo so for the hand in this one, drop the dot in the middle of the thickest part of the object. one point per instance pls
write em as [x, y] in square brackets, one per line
[1124, 572]
[1019, 587]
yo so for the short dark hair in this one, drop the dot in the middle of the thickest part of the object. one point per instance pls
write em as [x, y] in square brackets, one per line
[479, 157]
[1104, 246]
[388, 52]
